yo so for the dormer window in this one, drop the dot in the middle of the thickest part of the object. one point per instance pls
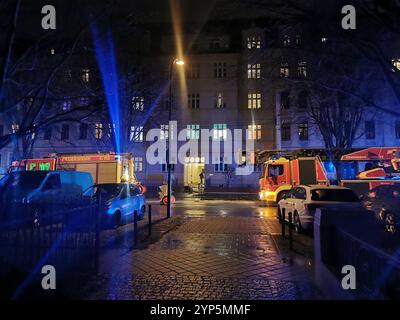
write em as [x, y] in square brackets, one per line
[254, 42]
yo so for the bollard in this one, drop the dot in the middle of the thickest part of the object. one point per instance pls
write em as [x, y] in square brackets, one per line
[283, 222]
[135, 230]
[290, 230]
[149, 213]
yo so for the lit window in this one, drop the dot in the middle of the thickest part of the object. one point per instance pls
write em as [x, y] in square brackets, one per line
[254, 71]
[286, 40]
[66, 105]
[254, 100]
[138, 103]
[86, 75]
[254, 132]
[284, 70]
[193, 132]
[220, 70]
[15, 128]
[302, 69]
[219, 101]
[254, 42]
[220, 131]
[52, 52]
[396, 64]
[194, 100]
[303, 131]
[324, 40]
[138, 164]
[164, 132]
[136, 134]
[111, 130]
[98, 131]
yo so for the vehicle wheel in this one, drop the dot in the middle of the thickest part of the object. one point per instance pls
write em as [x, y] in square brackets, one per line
[117, 221]
[390, 223]
[297, 223]
[165, 200]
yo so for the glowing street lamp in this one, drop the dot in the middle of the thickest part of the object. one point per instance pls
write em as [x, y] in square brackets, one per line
[180, 63]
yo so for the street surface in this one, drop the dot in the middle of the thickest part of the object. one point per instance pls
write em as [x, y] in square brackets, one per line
[218, 250]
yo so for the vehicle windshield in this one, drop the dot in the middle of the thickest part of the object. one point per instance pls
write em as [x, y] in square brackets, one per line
[341, 195]
[107, 190]
[26, 180]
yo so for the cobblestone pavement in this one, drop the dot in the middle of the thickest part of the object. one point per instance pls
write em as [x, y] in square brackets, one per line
[210, 255]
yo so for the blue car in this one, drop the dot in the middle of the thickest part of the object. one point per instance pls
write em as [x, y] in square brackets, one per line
[119, 201]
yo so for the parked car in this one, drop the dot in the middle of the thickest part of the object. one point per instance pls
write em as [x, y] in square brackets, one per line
[384, 201]
[32, 195]
[118, 202]
[303, 200]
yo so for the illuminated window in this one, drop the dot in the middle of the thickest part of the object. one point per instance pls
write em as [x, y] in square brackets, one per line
[193, 132]
[396, 63]
[15, 128]
[52, 52]
[254, 100]
[138, 103]
[66, 105]
[164, 132]
[370, 129]
[98, 131]
[254, 132]
[303, 131]
[86, 75]
[138, 164]
[111, 130]
[302, 69]
[65, 132]
[254, 71]
[254, 42]
[220, 70]
[194, 100]
[136, 134]
[324, 39]
[220, 131]
[284, 70]
[219, 101]
[221, 166]
[286, 40]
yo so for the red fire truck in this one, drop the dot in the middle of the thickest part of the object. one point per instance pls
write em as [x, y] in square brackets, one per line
[104, 167]
[381, 167]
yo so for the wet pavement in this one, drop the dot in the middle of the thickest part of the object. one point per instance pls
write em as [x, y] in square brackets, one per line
[218, 250]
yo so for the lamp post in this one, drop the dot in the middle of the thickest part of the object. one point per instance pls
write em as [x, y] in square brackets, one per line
[177, 62]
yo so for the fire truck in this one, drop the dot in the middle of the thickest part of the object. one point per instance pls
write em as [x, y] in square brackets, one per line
[281, 173]
[381, 167]
[104, 167]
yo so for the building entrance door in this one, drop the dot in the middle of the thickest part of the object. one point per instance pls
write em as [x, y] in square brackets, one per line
[193, 167]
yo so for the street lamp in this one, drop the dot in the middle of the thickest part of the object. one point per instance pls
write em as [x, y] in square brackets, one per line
[178, 62]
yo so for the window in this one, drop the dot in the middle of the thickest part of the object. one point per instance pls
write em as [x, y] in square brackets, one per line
[286, 40]
[164, 132]
[65, 132]
[254, 71]
[303, 99]
[254, 42]
[370, 130]
[303, 131]
[111, 130]
[193, 132]
[52, 52]
[66, 105]
[220, 131]
[84, 101]
[136, 134]
[137, 164]
[254, 100]
[98, 131]
[47, 134]
[1, 130]
[324, 39]
[299, 193]
[15, 128]
[220, 70]
[194, 71]
[219, 101]
[302, 69]
[297, 40]
[286, 132]
[396, 129]
[275, 170]
[83, 130]
[396, 63]
[221, 166]
[67, 75]
[86, 75]
[194, 100]
[285, 100]
[254, 132]
[138, 103]
[284, 70]
[214, 43]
